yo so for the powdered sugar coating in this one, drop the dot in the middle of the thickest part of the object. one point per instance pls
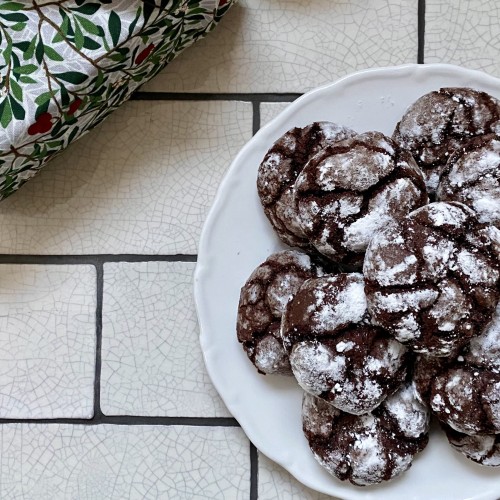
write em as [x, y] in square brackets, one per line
[472, 176]
[401, 193]
[349, 190]
[464, 391]
[410, 414]
[481, 448]
[262, 302]
[484, 350]
[369, 448]
[279, 170]
[348, 305]
[440, 122]
[433, 278]
[334, 351]
[318, 416]
[467, 399]
[270, 357]
[324, 306]
[425, 370]
[456, 396]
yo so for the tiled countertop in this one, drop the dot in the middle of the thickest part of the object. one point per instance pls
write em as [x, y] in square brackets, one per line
[104, 393]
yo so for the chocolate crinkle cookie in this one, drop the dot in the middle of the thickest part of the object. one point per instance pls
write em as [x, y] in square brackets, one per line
[352, 188]
[464, 392]
[262, 302]
[472, 176]
[425, 369]
[280, 168]
[370, 448]
[335, 352]
[432, 278]
[439, 122]
[483, 449]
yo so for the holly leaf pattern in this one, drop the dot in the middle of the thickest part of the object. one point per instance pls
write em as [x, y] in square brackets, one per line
[66, 65]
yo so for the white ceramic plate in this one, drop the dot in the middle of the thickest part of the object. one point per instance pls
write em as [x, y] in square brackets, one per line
[237, 238]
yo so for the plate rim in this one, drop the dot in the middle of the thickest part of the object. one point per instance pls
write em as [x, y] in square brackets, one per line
[202, 266]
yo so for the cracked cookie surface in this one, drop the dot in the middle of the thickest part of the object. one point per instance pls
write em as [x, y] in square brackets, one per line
[439, 122]
[483, 449]
[263, 299]
[353, 188]
[464, 391]
[472, 176]
[370, 448]
[432, 279]
[335, 353]
[279, 170]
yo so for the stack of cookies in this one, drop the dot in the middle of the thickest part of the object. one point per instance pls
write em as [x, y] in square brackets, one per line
[385, 308]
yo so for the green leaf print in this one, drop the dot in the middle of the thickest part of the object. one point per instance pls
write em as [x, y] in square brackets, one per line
[115, 27]
[16, 90]
[17, 109]
[87, 25]
[25, 70]
[11, 6]
[91, 58]
[6, 114]
[72, 77]
[52, 54]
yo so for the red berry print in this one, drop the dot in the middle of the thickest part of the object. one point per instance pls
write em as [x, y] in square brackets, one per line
[74, 106]
[144, 54]
[43, 124]
[222, 3]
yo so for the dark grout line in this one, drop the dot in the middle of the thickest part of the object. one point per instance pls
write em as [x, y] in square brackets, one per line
[421, 31]
[97, 259]
[98, 345]
[174, 96]
[256, 117]
[130, 420]
[254, 473]
[148, 258]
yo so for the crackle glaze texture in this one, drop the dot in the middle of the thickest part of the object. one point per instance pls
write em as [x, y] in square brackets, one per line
[66, 64]
[117, 462]
[47, 341]
[277, 484]
[269, 110]
[121, 211]
[151, 357]
[141, 183]
[285, 46]
[463, 33]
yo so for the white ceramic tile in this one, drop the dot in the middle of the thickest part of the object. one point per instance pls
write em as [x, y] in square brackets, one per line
[463, 33]
[47, 341]
[151, 357]
[47, 462]
[293, 46]
[275, 483]
[142, 182]
[270, 110]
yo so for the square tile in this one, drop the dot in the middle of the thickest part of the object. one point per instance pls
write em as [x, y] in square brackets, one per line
[463, 33]
[275, 483]
[151, 357]
[142, 182]
[61, 461]
[47, 341]
[284, 46]
[270, 110]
